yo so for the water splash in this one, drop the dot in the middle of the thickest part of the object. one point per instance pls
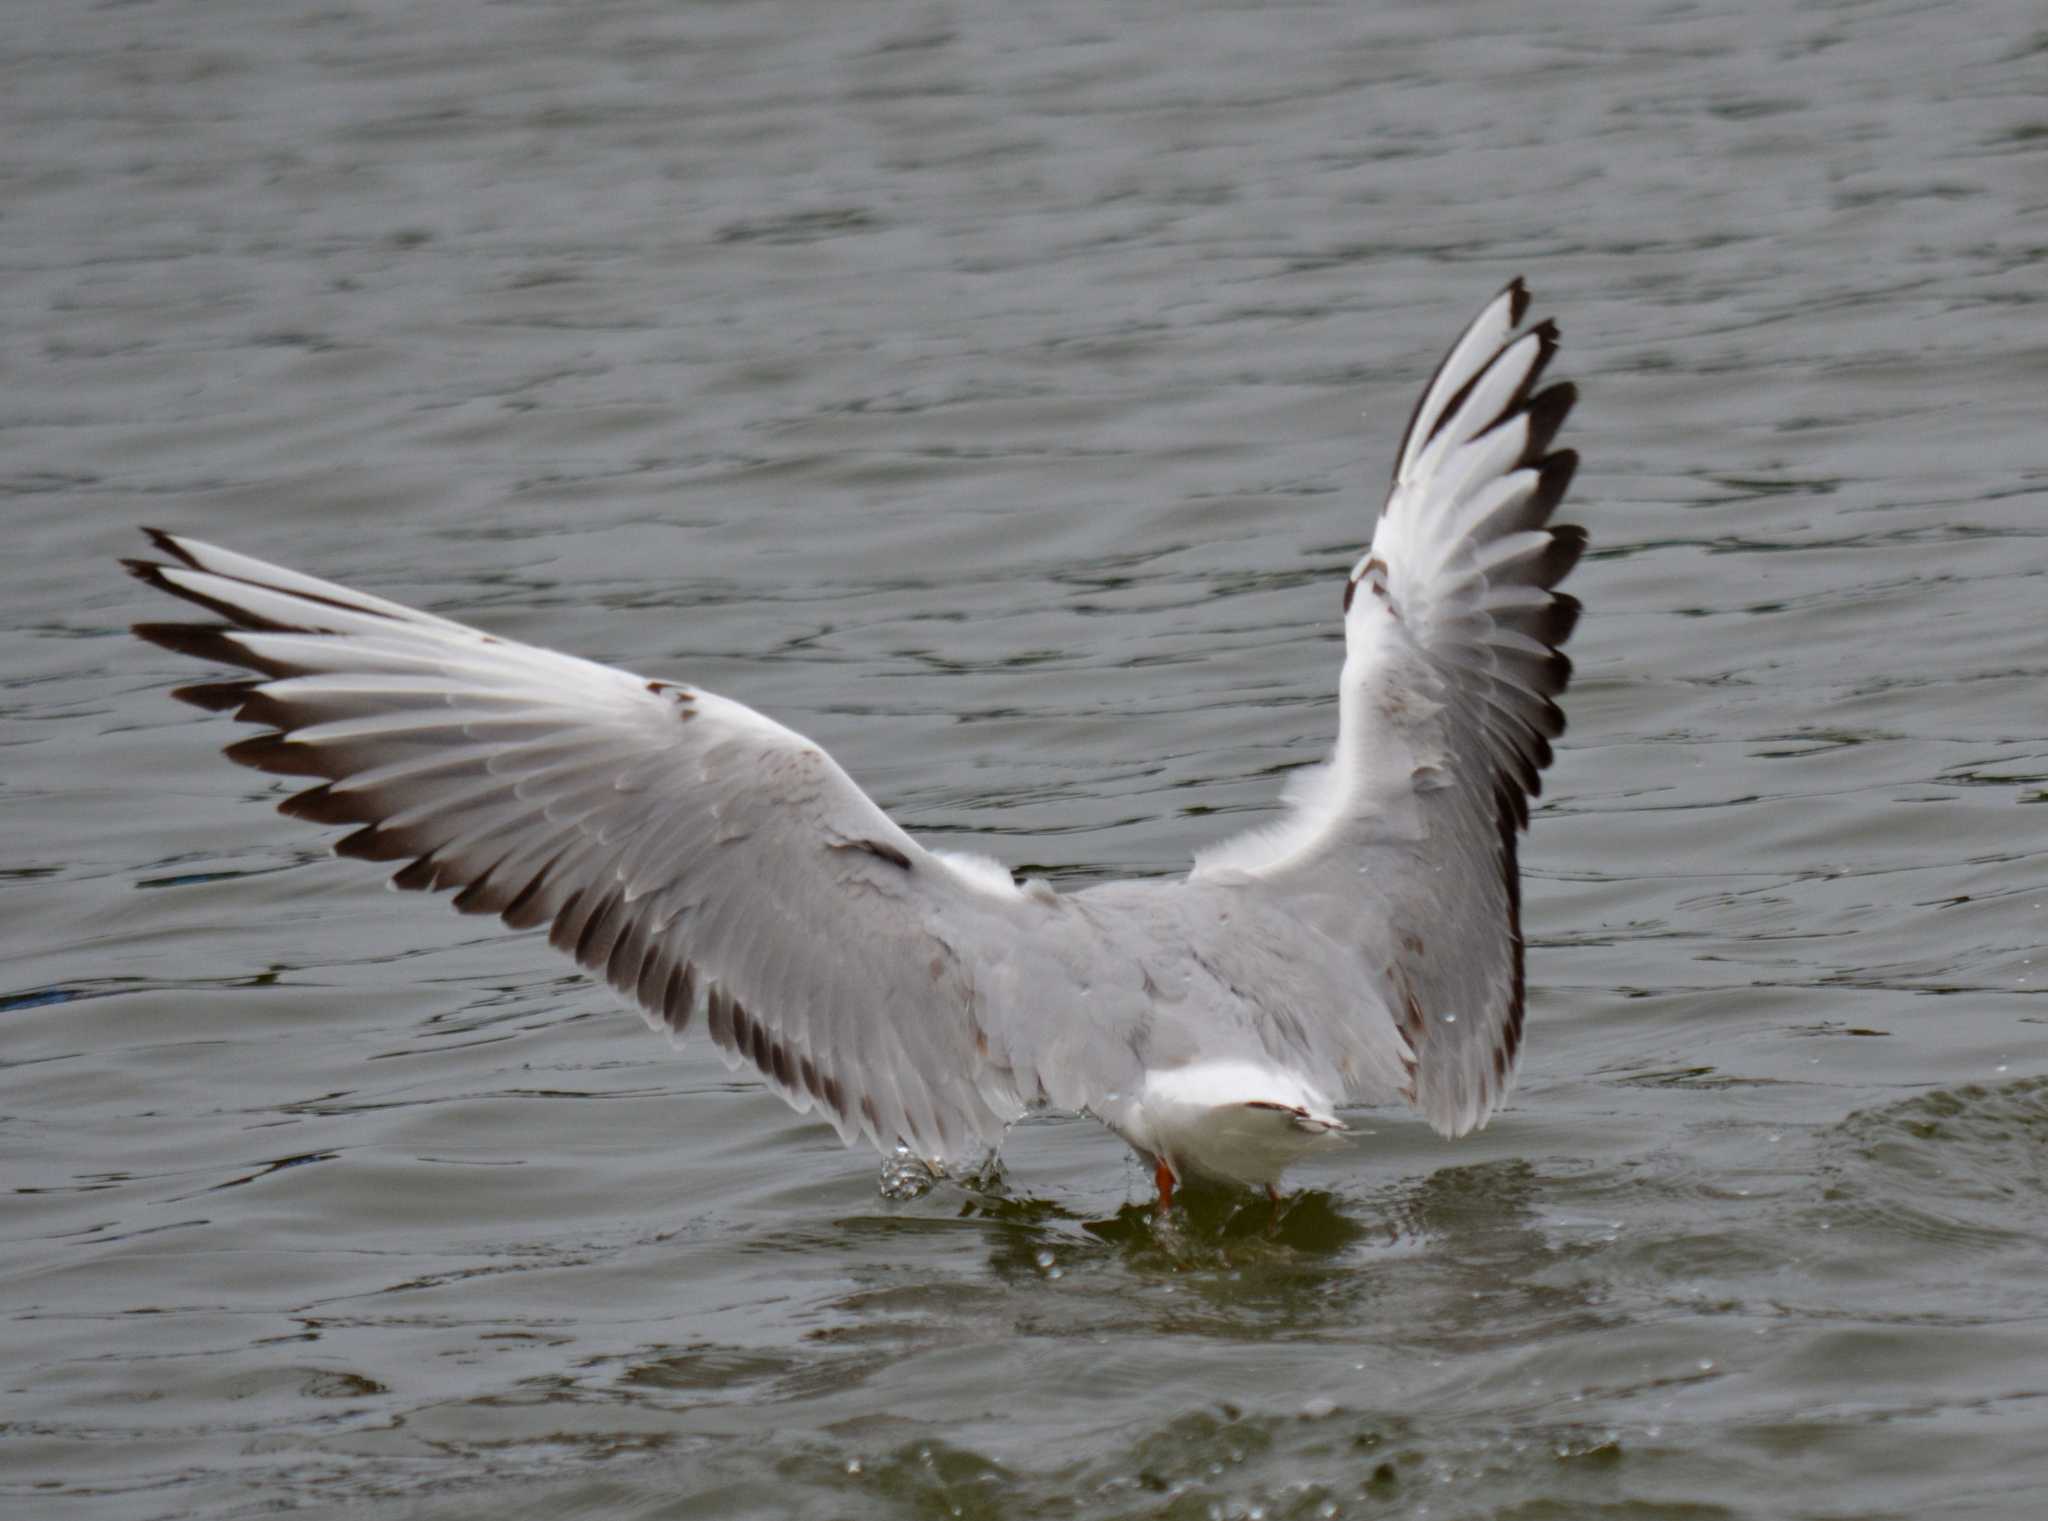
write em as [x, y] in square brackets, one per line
[906, 1175]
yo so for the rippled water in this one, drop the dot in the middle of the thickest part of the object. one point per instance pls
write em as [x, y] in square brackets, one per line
[976, 387]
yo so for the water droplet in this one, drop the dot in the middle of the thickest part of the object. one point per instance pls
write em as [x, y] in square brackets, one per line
[1450, 1019]
[1706, 1365]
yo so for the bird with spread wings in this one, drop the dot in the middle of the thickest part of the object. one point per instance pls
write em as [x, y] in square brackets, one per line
[722, 871]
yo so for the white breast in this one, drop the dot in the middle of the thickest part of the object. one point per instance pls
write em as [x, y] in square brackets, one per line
[1239, 1121]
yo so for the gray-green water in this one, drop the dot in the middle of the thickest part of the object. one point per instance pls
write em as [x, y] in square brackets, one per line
[975, 386]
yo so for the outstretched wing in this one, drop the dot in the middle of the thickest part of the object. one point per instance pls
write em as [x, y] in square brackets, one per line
[703, 859]
[1405, 843]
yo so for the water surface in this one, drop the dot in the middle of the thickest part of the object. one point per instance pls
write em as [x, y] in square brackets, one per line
[976, 387]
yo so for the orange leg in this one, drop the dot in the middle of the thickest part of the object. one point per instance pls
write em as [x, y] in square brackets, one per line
[1164, 1178]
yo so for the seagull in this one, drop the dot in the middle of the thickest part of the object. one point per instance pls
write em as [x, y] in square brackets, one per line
[723, 871]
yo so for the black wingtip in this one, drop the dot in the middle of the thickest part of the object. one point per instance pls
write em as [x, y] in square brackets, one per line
[1567, 543]
[276, 754]
[1558, 620]
[1553, 479]
[1517, 291]
[168, 543]
[218, 696]
[1547, 411]
[202, 641]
